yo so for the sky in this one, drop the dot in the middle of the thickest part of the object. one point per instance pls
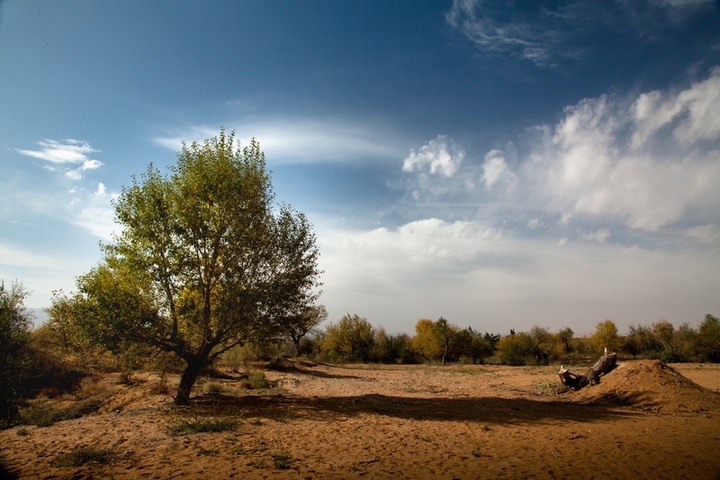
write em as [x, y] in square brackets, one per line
[500, 164]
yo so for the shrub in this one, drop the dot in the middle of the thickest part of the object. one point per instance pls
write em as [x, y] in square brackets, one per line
[201, 425]
[84, 456]
[350, 340]
[214, 388]
[282, 460]
[258, 381]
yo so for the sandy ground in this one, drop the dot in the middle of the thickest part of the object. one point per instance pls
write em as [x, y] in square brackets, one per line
[645, 420]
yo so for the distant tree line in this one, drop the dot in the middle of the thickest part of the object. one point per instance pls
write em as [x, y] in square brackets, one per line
[355, 339]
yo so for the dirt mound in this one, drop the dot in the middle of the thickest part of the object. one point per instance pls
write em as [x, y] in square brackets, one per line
[650, 385]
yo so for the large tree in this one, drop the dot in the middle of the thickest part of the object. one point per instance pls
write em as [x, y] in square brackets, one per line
[15, 326]
[205, 260]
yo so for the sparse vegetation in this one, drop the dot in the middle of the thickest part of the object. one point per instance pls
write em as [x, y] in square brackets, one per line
[282, 460]
[214, 388]
[85, 456]
[201, 425]
[257, 381]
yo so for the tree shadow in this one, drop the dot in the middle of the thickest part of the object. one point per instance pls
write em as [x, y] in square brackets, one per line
[467, 409]
[314, 373]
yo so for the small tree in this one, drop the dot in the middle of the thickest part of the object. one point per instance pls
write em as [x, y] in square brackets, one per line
[204, 261]
[480, 346]
[350, 340]
[709, 339]
[562, 345]
[425, 343]
[606, 336]
[303, 322]
[440, 340]
[638, 340]
[542, 344]
[516, 348]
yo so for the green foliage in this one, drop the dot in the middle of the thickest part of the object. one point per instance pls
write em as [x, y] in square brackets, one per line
[441, 341]
[709, 339]
[350, 340]
[204, 261]
[213, 388]
[258, 381]
[282, 460]
[606, 336]
[561, 346]
[392, 348]
[516, 349]
[638, 340]
[480, 346]
[85, 456]
[303, 322]
[201, 425]
[14, 356]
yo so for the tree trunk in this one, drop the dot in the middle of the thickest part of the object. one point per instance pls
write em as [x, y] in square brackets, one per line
[187, 380]
[605, 364]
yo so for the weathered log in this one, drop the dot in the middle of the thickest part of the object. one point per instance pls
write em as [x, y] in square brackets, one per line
[605, 364]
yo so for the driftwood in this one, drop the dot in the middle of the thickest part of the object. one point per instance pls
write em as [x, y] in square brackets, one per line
[605, 364]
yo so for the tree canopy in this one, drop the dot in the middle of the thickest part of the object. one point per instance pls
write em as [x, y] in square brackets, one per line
[14, 328]
[205, 260]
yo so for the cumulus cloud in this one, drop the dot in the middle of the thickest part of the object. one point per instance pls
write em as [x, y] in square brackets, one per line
[645, 161]
[495, 170]
[440, 156]
[66, 153]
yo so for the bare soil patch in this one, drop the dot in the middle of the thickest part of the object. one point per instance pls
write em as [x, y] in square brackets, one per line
[644, 420]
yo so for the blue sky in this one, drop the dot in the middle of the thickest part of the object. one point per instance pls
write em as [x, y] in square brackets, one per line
[502, 164]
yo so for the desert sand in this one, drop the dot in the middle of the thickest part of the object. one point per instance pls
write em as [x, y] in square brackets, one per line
[644, 420]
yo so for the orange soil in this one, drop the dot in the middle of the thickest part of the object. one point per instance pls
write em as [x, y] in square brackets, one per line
[644, 420]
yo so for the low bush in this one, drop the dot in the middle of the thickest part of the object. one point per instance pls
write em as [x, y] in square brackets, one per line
[85, 456]
[201, 425]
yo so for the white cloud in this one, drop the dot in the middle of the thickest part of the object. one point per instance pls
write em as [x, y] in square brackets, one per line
[495, 170]
[301, 140]
[534, 224]
[440, 156]
[613, 159]
[66, 152]
[94, 212]
[533, 41]
[599, 236]
[551, 34]
[14, 256]
[693, 114]
[474, 274]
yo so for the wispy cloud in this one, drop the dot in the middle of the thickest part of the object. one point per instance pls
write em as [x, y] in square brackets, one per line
[302, 140]
[497, 28]
[62, 155]
[548, 35]
[16, 256]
